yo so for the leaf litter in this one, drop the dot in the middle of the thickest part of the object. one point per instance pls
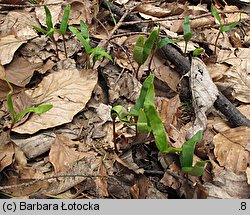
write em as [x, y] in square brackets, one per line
[71, 146]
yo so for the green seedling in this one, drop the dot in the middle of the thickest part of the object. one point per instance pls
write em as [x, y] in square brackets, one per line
[187, 32]
[84, 38]
[38, 110]
[186, 156]
[222, 28]
[145, 117]
[198, 51]
[144, 48]
[51, 30]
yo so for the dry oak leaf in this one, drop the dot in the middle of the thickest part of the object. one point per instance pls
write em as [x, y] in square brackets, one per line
[8, 47]
[6, 154]
[68, 91]
[232, 149]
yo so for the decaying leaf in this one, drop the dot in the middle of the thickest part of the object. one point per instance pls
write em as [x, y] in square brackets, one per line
[232, 149]
[248, 175]
[204, 93]
[68, 91]
[8, 46]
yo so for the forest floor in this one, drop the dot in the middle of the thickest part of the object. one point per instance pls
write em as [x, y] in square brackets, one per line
[77, 149]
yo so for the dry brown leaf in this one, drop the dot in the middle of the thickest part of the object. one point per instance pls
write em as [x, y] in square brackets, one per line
[62, 156]
[2, 72]
[68, 91]
[232, 148]
[217, 70]
[84, 168]
[20, 71]
[228, 185]
[8, 46]
[102, 182]
[20, 23]
[150, 9]
[85, 11]
[6, 154]
[248, 175]
[245, 109]
[237, 75]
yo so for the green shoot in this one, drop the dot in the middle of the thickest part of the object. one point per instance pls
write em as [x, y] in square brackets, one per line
[38, 110]
[187, 32]
[198, 51]
[144, 48]
[83, 37]
[51, 30]
[186, 156]
[222, 28]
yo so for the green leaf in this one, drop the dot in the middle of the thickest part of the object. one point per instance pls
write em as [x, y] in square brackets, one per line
[187, 29]
[81, 38]
[198, 51]
[187, 153]
[50, 33]
[65, 20]
[48, 18]
[98, 53]
[84, 29]
[229, 27]
[120, 112]
[40, 30]
[38, 110]
[141, 99]
[149, 44]
[9, 101]
[138, 50]
[165, 41]
[216, 15]
[197, 170]
[154, 120]
[142, 122]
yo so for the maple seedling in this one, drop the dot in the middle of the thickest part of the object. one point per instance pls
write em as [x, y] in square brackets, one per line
[38, 110]
[84, 38]
[222, 28]
[51, 30]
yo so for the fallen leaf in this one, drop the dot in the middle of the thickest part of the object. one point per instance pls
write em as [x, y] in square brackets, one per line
[62, 156]
[6, 154]
[228, 185]
[232, 149]
[248, 175]
[68, 91]
[8, 46]
[204, 94]
[102, 182]
[20, 71]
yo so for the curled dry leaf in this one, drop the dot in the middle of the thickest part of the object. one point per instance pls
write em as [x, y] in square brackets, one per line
[8, 46]
[232, 149]
[150, 9]
[68, 91]
[248, 175]
[204, 94]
